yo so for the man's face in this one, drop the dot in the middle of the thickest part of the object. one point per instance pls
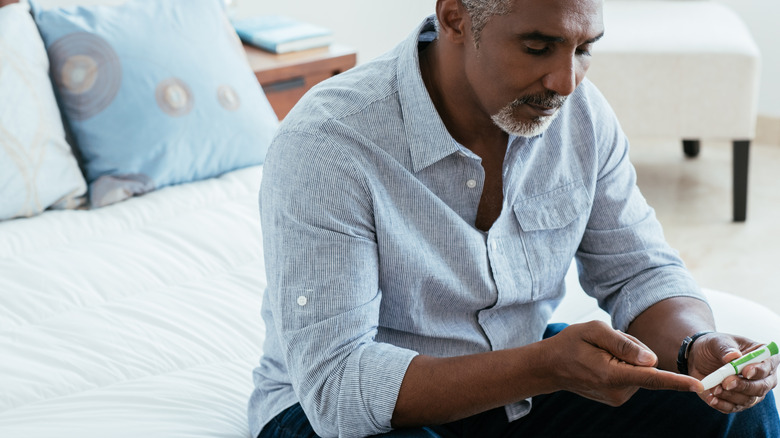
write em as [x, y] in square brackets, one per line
[529, 60]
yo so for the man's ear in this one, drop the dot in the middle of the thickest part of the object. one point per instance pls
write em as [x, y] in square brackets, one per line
[453, 20]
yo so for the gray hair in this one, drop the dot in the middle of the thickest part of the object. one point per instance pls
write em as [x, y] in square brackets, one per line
[481, 11]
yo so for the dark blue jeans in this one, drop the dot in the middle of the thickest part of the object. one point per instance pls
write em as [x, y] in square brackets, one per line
[650, 414]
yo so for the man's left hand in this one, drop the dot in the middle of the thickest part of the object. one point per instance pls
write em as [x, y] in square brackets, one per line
[739, 392]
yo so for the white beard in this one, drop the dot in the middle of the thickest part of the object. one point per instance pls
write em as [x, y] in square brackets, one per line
[510, 124]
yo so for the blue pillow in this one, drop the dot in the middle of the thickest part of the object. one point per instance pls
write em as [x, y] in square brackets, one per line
[156, 92]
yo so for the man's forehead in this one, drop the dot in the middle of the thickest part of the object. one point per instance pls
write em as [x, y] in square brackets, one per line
[557, 17]
[553, 5]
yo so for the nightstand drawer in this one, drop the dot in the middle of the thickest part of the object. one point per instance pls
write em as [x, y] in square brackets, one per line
[287, 77]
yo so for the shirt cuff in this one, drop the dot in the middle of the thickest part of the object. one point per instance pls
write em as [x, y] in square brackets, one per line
[370, 400]
[650, 289]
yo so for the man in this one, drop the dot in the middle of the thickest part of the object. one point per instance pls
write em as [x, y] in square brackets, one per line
[419, 213]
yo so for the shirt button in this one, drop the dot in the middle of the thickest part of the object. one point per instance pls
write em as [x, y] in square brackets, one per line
[302, 300]
[471, 183]
[493, 245]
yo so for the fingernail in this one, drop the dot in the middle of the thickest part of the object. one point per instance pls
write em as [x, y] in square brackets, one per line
[731, 385]
[751, 372]
[646, 357]
[717, 391]
[714, 401]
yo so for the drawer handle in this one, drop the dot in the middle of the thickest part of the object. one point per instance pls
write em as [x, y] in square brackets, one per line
[289, 84]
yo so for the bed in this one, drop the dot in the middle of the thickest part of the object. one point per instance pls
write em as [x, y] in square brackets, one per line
[137, 319]
[141, 317]
[131, 262]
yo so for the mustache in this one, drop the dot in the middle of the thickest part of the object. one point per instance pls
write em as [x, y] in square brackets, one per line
[548, 99]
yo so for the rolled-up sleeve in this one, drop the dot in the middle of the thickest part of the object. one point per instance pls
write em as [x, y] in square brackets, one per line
[624, 260]
[322, 272]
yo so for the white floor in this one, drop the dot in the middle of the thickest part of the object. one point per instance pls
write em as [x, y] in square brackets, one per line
[692, 198]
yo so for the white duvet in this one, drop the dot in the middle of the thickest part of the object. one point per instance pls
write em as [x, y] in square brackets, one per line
[142, 319]
[137, 320]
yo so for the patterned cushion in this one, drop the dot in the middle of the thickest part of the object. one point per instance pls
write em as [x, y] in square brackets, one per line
[157, 92]
[37, 167]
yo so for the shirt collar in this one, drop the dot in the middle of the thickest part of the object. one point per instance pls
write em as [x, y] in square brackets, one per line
[426, 134]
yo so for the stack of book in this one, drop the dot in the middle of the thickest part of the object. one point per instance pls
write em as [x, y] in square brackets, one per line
[281, 34]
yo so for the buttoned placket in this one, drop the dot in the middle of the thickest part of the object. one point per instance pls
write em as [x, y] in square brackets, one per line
[495, 254]
[473, 179]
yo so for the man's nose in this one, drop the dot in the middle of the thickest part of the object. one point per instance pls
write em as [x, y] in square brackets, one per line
[562, 78]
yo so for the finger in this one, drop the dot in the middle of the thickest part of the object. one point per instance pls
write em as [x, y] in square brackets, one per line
[737, 389]
[731, 354]
[722, 405]
[732, 397]
[621, 346]
[716, 350]
[754, 401]
[761, 370]
[728, 407]
[642, 345]
[707, 353]
[653, 378]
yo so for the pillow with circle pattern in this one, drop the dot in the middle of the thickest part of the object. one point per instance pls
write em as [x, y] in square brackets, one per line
[37, 166]
[156, 92]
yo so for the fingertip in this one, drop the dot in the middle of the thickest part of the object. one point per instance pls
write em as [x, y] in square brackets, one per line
[646, 357]
[732, 354]
[714, 402]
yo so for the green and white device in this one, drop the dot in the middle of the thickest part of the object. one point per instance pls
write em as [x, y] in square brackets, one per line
[736, 365]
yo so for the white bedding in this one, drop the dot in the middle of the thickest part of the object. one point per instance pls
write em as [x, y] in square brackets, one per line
[134, 320]
[142, 319]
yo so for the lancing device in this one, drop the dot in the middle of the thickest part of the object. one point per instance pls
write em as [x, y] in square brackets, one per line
[735, 366]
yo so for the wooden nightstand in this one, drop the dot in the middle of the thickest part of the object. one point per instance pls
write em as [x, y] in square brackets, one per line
[286, 77]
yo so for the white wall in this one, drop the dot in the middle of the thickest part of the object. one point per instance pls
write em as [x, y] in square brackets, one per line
[372, 27]
[762, 16]
[375, 26]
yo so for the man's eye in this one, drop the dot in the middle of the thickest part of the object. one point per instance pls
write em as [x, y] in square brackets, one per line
[534, 51]
[583, 51]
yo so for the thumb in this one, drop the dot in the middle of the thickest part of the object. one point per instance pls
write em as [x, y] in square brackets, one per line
[627, 348]
[729, 350]
[731, 354]
[644, 355]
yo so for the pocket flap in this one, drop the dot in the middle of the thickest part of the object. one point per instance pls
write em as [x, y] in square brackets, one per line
[554, 209]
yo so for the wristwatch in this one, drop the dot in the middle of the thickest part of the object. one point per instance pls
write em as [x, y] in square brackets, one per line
[685, 350]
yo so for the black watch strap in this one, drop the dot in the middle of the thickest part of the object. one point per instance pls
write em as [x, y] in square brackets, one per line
[685, 350]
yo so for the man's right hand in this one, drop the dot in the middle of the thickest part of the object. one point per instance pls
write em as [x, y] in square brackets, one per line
[607, 365]
[590, 359]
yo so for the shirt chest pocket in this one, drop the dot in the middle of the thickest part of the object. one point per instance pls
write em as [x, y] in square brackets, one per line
[551, 228]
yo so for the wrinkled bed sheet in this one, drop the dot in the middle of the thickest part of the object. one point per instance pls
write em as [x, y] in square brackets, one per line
[139, 319]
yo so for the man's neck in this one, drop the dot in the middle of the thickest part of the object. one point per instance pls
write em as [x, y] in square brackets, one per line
[453, 99]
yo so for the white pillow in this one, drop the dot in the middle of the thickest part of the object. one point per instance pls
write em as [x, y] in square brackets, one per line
[37, 167]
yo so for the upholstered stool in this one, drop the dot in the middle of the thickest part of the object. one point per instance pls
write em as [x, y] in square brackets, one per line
[681, 69]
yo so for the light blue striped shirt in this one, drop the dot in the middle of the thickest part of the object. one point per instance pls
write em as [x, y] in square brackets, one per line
[368, 208]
